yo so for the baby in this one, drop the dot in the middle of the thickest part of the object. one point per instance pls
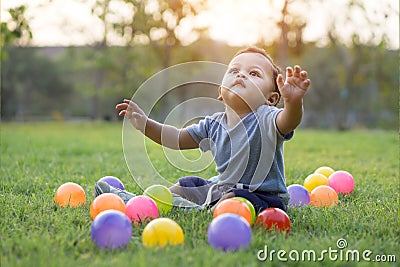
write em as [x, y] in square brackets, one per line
[246, 139]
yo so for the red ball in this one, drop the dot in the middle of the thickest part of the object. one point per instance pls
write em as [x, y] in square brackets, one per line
[274, 218]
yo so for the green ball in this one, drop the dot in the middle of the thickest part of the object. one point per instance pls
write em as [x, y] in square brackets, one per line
[251, 207]
[161, 195]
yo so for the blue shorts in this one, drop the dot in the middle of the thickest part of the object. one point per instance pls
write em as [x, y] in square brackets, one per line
[260, 200]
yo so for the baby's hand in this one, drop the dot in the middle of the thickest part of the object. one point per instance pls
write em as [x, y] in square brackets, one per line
[134, 113]
[295, 86]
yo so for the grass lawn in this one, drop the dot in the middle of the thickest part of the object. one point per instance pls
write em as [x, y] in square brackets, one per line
[36, 158]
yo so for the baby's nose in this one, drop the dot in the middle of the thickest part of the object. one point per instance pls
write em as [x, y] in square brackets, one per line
[240, 75]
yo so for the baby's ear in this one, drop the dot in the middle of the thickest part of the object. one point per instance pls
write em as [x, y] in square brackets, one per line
[273, 99]
[219, 94]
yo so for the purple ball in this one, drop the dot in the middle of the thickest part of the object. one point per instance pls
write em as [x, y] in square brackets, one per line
[111, 229]
[229, 232]
[299, 195]
[113, 181]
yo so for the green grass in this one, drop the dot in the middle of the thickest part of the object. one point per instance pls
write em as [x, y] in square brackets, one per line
[36, 158]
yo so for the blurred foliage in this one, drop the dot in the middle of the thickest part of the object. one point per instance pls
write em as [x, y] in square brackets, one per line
[151, 22]
[351, 86]
[354, 84]
[33, 85]
[16, 31]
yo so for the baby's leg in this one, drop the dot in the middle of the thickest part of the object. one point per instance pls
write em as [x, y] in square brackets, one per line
[180, 200]
[192, 188]
[176, 189]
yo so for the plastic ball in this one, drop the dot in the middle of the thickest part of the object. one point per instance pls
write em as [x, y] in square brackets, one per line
[113, 181]
[70, 194]
[341, 182]
[229, 232]
[161, 232]
[106, 201]
[111, 229]
[141, 209]
[325, 171]
[323, 195]
[234, 206]
[314, 180]
[251, 207]
[162, 196]
[299, 195]
[275, 219]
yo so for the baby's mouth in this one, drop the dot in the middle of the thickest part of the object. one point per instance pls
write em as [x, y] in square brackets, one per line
[238, 82]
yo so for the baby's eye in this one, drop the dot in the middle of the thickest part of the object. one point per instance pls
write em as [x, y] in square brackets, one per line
[233, 71]
[255, 73]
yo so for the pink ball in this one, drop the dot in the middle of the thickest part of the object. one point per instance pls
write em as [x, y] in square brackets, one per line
[341, 182]
[141, 209]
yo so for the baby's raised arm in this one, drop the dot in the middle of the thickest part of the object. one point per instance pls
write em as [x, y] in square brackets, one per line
[165, 135]
[292, 91]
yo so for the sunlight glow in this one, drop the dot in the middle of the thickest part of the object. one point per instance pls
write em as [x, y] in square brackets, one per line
[236, 22]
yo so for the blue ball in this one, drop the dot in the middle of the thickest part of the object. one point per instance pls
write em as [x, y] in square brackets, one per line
[111, 229]
[113, 181]
[229, 232]
[299, 195]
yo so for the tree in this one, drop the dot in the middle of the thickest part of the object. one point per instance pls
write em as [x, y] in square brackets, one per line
[359, 63]
[153, 23]
[291, 24]
[31, 85]
[16, 31]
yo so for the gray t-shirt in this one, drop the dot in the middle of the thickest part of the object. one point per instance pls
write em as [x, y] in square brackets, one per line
[249, 155]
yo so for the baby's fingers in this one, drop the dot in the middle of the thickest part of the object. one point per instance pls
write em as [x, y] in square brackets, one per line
[122, 113]
[289, 72]
[279, 81]
[297, 71]
[131, 105]
[303, 74]
[306, 83]
[121, 106]
[127, 104]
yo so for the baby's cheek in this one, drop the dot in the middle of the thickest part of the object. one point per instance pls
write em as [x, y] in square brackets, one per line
[225, 81]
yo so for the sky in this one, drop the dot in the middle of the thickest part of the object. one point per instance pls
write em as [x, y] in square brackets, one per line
[236, 22]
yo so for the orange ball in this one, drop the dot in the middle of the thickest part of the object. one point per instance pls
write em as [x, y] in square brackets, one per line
[235, 206]
[323, 195]
[70, 194]
[106, 201]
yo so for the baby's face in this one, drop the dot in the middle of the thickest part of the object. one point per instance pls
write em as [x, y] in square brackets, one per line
[248, 81]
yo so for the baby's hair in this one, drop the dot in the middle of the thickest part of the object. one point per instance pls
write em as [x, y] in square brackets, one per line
[275, 68]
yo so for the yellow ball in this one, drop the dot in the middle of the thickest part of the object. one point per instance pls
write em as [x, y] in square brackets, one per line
[314, 180]
[161, 232]
[325, 171]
